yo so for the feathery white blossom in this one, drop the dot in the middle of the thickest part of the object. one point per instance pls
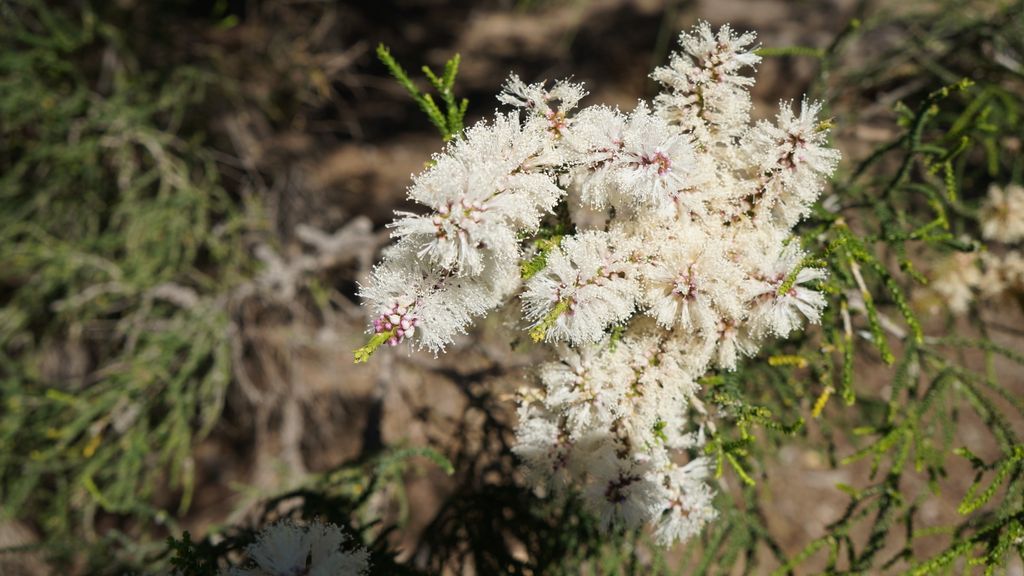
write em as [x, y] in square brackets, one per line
[656, 244]
[793, 158]
[779, 313]
[538, 100]
[609, 416]
[706, 94]
[410, 297]
[627, 492]
[654, 162]
[690, 282]
[588, 285]
[483, 195]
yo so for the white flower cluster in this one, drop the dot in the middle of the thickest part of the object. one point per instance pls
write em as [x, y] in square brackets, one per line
[963, 277]
[609, 419]
[287, 549]
[680, 259]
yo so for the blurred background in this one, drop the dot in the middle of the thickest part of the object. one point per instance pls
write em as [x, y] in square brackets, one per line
[191, 192]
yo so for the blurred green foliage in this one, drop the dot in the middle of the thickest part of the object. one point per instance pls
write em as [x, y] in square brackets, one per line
[117, 245]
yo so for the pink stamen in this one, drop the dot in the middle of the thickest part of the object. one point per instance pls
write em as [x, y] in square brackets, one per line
[660, 159]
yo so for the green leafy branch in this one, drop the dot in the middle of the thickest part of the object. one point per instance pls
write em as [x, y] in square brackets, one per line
[450, 122]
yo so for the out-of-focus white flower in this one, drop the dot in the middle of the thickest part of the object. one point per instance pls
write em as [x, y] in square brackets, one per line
[962, 278]
[1012, 266]
[1003, 275]
[1002, 214]
[287, 549]
[625, 493]
[956, 279]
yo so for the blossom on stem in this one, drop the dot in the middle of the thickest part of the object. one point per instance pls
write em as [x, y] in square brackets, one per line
[654, 245]
[588, 285]
[706, 94]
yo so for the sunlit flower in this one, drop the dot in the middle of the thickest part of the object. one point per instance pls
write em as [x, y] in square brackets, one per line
[673, 253]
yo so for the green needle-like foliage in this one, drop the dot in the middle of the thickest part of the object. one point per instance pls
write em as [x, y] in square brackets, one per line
[115, 240]
[449, 122]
